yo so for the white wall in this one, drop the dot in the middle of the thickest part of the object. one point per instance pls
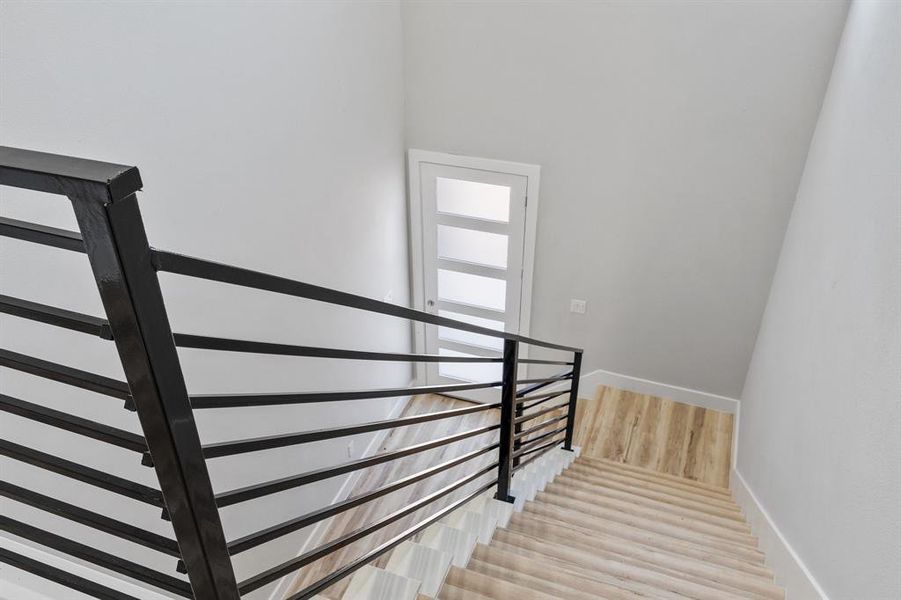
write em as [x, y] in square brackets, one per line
[671, 138]
[820, 440]
[268, 135]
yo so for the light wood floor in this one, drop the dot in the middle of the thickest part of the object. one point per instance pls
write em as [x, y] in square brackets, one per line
[656, 433]
[626, 427]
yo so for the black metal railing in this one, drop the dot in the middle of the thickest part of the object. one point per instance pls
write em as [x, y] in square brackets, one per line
[111, 234]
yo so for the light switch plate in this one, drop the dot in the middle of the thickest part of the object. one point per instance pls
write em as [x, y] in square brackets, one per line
[578, 306]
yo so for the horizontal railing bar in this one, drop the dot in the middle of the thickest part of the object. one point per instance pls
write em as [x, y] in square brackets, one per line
[547, 396]
[293, 439]
[272, 399]
[315, 554]
[537, 386]
[62, 420]
[372, 555]
[63, 374]
[98, 557]
[271, 533]
[183, 340]
[541, 361]
[532, 443]
[58, 317]
[41, 234]
[213, 271]
[537, 414]
[91, 519]
[539, 427]
[82, 473]
[540, 452]
[547, 446]
[544, 380]
[287, 483]
[540, 402]
[63, 578]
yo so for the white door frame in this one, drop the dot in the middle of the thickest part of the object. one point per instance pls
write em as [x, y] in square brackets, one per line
[532, 173]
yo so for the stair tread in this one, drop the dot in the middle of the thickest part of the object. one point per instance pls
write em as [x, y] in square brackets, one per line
[628, 539]
[521, 578]
[452, 592]
[568, 566]
[733, 521]
[498, 555]
[558, 494]
[654, 474]
[491, 587]
[667, 581]
[610, 477]
[690, 568]
[674, 487]
[679, 530]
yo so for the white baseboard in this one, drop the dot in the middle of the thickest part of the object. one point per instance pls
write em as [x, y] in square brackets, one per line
[589, 382]
[791, 572]
[347, 487]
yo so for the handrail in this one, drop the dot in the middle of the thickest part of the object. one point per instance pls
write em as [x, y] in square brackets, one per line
[111, 235]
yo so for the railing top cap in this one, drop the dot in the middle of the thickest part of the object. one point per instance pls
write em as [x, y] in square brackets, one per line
[54, 173]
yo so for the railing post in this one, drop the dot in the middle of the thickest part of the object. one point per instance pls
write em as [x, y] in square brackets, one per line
[508, 418]
[573, 399]
[120, 257]
[517, 429]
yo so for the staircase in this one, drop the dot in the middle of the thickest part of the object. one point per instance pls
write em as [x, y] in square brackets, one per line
[581, 528]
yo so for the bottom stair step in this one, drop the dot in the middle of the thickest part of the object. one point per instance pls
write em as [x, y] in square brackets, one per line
[490, 587]
[544, 575]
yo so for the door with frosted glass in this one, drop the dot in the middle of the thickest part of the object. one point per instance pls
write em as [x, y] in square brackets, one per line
[473, 225]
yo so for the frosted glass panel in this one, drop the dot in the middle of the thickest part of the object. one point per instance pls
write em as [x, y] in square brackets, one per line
[474, 290]
[480, 372]
[465, 337]
[472, 246]
[473, 199]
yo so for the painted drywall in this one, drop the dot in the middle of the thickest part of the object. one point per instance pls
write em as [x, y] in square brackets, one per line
[671, 138]
[820, 434]
[269, 135]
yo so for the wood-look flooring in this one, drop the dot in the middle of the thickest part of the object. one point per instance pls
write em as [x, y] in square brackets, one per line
[656, 433]
[631, 428]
